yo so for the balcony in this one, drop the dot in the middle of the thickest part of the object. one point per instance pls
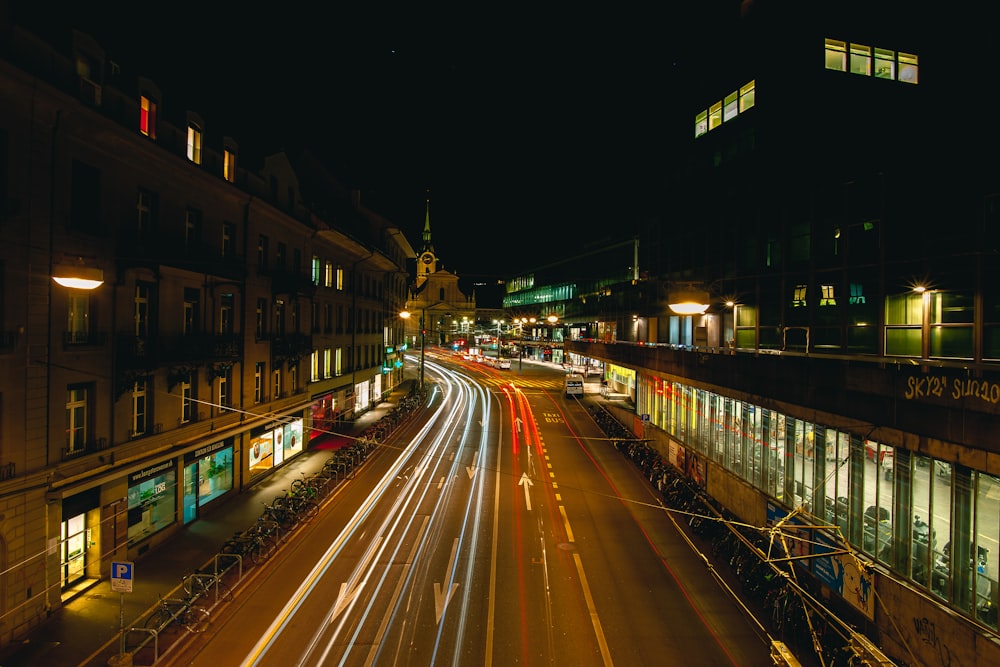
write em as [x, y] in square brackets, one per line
[88, 447]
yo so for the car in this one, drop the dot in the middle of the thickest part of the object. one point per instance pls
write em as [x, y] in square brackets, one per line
[504, 364]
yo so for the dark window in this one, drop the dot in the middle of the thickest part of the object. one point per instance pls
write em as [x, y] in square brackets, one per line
[85, 205]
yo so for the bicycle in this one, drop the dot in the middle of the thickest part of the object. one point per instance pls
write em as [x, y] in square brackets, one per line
[199, 584]
[190, 616]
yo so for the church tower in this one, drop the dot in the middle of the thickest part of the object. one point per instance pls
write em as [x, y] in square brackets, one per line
[427, 262]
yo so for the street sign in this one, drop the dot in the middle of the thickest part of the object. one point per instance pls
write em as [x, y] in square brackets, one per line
[121, 576]
[645, 417]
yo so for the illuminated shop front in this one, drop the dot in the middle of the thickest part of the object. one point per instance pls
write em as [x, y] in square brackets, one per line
[328, 411]
[152, 500]
[208, 474]
[80, 514]
[272, 445]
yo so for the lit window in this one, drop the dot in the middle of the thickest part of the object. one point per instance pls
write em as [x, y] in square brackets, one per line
[885, 64]
[194, 143]
[340, 279]
[314, 366]
[78, 318]
[861, 59]
[147, 117]
[316, 269]
[730, 109]
[327, 358]
[715, 116]
[229, 164]
[827, 297]
[328, 275]
[258, 383]
[187, 400]
[857, 293]
[339, 363]
[747, 96]
[908, 70]
[701, 124]
[799, 299]
[836, 55]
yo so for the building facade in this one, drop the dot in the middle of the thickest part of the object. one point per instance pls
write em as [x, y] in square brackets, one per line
[225, 324]
[839, 379]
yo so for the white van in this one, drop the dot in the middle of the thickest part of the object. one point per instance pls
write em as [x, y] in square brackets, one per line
[503, 364]
[574, 385]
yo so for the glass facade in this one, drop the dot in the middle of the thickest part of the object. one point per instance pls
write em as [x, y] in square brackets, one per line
[931, 522]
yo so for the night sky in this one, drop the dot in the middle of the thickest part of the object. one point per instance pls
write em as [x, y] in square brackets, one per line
[531, 133]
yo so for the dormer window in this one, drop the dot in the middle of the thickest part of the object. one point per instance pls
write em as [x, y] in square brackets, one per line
[147, 116]
[194, 143]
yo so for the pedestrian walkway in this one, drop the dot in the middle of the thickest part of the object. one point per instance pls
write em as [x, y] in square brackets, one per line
[84, 631]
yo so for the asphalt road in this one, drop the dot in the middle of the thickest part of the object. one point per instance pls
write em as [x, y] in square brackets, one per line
[503, 529]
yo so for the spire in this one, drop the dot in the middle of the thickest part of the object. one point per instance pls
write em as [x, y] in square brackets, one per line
[427, 226]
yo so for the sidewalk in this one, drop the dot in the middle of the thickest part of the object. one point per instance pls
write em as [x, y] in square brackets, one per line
[84, 631]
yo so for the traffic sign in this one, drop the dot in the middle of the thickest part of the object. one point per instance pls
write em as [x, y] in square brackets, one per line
[121, 576]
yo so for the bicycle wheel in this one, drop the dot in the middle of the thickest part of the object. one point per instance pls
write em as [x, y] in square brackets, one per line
[195, 585]
[308, 509]
[160, 619]
[195, 619]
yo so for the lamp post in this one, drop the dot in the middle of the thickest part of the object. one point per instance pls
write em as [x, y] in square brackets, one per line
[406, 315]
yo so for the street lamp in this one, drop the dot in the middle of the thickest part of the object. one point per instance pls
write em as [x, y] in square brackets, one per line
[406, 315]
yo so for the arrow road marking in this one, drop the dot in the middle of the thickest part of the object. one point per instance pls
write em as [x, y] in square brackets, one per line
[442, 596]
[526, 483]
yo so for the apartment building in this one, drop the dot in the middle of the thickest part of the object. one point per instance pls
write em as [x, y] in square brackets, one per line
[175, 322]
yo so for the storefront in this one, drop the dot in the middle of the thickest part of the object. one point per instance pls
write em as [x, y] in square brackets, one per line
[273, 444]
[79, 514]
[208, 474]
[152, 500]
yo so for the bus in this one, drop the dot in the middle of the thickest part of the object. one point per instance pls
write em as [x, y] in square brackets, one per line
[574, 385]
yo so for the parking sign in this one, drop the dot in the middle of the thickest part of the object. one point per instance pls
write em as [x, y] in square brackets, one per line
[121, 576]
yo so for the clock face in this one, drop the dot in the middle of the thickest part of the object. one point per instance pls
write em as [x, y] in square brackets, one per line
[427, 258]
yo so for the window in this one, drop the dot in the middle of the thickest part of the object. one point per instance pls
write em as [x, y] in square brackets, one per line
[262, 250]
[295, 315]
[314, 366]
[190, 315]
[187, 398]
[908, 69]
[861, 59]
[147, 116]
[715, 116]
[316, 270]
[951, 324]
[76, 419]
[903, 318]
[340, 279]
[730, 106]
[260, 322]
[141, 313]
[836, 55]
[194, 143]
[827, 297]
[280, 255]
[748, 96]
[258, 383]
[293, 377]
[192, 229]
[338, 365]
[145, 207]
[225, 382]
[700, 124]
[139, 408]
[85, 202]
[226, 308]
[279, 318]
[327, 359]
[229, 163]
[276, 383]
[78, 318]
[327, 318]
[328, 274]
[885, 64]
[799, 297]
[228, 239]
